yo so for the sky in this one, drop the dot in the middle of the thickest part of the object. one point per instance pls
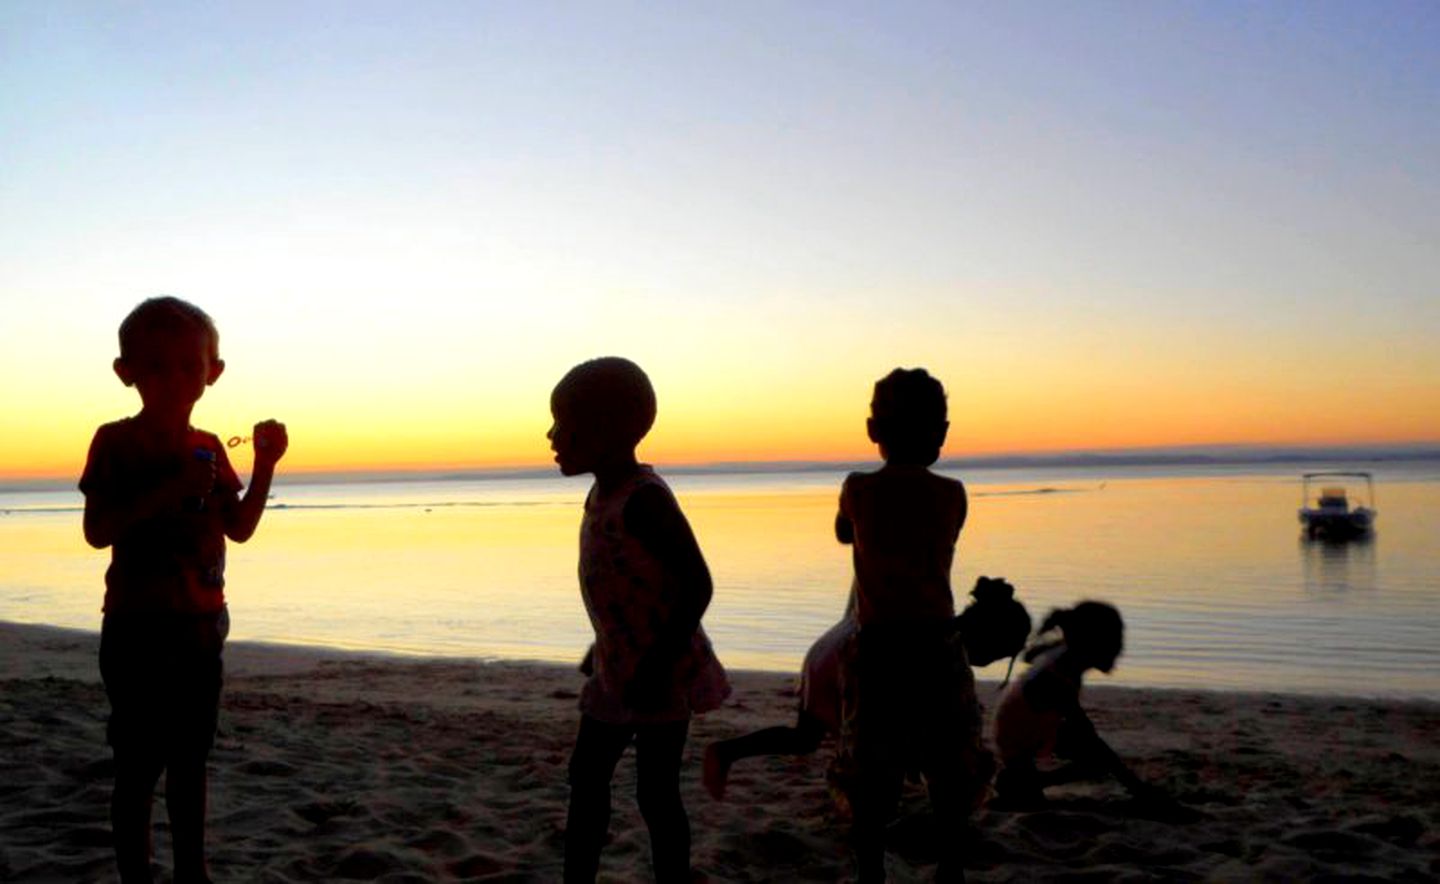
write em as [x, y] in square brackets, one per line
[1101, 225]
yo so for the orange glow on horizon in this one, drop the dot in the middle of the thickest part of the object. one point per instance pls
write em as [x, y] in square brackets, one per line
[706, 420]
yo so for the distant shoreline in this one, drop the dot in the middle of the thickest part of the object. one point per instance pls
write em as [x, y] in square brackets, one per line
[1186, 456]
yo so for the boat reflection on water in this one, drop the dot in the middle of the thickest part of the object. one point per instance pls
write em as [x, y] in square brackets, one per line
[1336, 566]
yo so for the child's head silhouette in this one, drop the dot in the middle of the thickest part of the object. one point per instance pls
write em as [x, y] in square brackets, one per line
[908, 417]
[995, 625]
[602, 409]
[158, 318]
[170, 352]
[1094, 631]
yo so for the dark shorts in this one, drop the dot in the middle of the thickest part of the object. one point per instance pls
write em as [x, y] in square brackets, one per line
[163, 674]
[911, 700]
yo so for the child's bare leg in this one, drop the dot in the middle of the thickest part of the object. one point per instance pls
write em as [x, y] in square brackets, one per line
[658, 752]
[949, 797]
[877, 793]
[802, 739]
[885, 664]
[135, 777]
[197, 685]
[186, 792]
[598, 748]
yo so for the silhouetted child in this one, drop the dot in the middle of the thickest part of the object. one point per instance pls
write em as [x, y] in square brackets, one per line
[645, 586]
[992, 627]
[911, 711]
[162, 495]
[1040, 714]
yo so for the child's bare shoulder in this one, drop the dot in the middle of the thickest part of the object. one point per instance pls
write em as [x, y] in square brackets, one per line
[953, 485]
[857, 482]
[116, 428]
[113, 438]
[650, 500]
[651, 509]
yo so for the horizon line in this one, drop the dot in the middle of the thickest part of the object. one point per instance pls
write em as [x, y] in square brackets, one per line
[1219, 454]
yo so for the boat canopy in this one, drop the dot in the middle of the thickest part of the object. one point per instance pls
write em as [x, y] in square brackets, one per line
[1335, 495]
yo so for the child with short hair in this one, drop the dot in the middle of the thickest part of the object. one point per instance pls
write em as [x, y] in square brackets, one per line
[1040, 714]
[645, 586]
[903, 522]
[163, 496]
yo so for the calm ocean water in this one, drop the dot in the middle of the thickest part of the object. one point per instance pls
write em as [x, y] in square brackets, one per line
[1207, 565]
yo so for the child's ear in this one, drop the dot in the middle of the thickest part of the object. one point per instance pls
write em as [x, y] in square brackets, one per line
[122, 371]
[217, 368]
[870, 429]
[940, 437]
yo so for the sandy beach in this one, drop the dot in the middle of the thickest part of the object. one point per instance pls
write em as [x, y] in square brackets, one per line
[345, 767]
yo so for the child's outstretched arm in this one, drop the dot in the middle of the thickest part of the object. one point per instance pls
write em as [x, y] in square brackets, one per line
[654, 519]
[1157, 803]
[271, 442]
[1100, 752]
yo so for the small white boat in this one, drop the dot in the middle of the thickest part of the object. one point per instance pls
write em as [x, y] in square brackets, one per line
[1330, 514]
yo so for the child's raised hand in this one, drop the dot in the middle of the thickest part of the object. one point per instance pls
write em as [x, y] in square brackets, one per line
[271, 441]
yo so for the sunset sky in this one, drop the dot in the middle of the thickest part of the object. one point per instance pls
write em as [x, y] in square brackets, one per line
[1102, 225]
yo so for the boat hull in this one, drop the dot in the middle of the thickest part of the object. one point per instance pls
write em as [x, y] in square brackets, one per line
[1337, 526]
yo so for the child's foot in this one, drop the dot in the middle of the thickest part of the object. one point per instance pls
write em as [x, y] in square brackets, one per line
[714, 773]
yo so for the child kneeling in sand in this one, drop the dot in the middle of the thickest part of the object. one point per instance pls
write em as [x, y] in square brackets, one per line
[1040, 715]
[992, 627]
[645, 586]
[162, 495]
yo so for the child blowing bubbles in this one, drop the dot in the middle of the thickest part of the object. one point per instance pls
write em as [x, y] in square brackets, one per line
[903, 521]
[162, 495]
[645, 586]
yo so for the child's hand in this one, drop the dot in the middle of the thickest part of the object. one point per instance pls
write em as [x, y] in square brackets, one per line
[271, 441]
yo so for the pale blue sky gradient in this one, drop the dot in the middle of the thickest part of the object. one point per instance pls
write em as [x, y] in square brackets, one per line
[410, 208]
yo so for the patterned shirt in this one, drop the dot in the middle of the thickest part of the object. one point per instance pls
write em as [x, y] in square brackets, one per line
[630, 601]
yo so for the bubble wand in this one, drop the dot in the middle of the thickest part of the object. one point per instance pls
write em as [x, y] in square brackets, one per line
[235, 441]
